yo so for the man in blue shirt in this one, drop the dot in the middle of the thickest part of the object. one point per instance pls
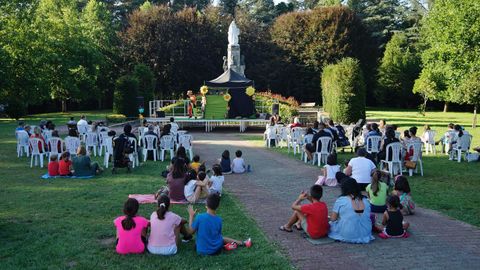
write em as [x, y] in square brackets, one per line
[208, 227]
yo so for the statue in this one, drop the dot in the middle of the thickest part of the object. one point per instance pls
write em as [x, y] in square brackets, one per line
[225, 64]
[233, 33]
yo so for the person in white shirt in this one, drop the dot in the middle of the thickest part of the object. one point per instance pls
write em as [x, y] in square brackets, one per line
[82, 121]
[197, 189]
[238, 164]
[216, 180]
[173, 126]
[361, 169]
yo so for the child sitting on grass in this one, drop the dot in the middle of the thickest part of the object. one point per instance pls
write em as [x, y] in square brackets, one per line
[195, 164]
[216, 181]
[329, 171]
[197, 189]
[313, 217]
[402, 190]
[208, 227]
[53, 165]
[393, 225]
[238, 164]
[225, 162]
[65, 165]
[131, 229]
[377, 193]
[165, 229]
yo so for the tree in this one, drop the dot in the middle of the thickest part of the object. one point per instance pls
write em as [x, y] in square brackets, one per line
[399, 68]
[228, 6]
[146, 82]
[125, 98]
[261, 10]
[451, 34]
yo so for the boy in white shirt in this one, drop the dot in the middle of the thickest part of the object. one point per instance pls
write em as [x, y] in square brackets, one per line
[238, 164]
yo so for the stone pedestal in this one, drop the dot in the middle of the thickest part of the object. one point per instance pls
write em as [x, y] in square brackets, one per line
[234, 59]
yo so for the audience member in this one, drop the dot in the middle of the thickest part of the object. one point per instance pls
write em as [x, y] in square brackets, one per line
[216, 180]
[197, 189]
[312, 147]
[53, 166]
[176, 180]
[225, 162]
[402, 190]
[389, 138]
[83, 165]
[37, 133]
[131, 229]
[238, 164]
[361, 168]
[377, 193]
[65, 164]
[329, 171]
[392, 221]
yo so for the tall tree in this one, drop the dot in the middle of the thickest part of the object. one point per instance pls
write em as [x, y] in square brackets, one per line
[260, 10]
[228, 6]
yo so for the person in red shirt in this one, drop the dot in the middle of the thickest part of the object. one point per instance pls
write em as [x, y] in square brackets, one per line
[53, 166]
[65, 165]
[313, 217]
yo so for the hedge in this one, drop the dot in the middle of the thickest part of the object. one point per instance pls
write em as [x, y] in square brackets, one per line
[344, 91]
[116, 118]
[125, 97]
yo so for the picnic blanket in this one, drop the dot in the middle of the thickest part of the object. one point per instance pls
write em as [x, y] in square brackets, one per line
[47, 176]
[150, 198]
[320, 241]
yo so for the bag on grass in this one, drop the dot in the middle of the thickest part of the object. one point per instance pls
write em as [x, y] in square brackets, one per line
[472, 157]
[410, 164]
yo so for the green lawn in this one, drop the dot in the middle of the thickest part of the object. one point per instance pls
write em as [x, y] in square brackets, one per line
[216, 107]
[449, 187]
[66, 223]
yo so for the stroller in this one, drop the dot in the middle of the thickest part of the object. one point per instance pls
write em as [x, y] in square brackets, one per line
[122, 147]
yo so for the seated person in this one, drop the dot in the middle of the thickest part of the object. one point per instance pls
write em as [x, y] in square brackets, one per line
[361, 168]
[402, 190]
[176, 180]
[377, 193]
[53, 165]
[312, 147]
[196, 189]
[312, 217]
[238, 164]
[392, 221]
[389, 138]
[82, 164]
[225, 162]
[216, 180]
[195, 164]
[65, 165]
[208, 227]
[131, 229]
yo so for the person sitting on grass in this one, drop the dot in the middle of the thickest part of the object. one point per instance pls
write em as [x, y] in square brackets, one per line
[225, 162]
[53, 165]
[195, 164]
[176, 180]
[402, 190]
[197, 189]
[208, 227]
[216, 180]
[83, 165]
[377, 193]
[65, 165]
[131, 229]
[165, 229]
[350, 218]
[238, 164]
[312, 217]
[328, 172]
[393, 224]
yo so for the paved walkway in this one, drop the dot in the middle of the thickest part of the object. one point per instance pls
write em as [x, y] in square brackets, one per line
[437, 242]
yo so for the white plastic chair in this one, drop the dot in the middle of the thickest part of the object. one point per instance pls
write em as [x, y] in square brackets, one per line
[101, 136]
[141, 134]
[430, 142]
[150, 144]
[38, 150]
[295, 140]
[306, 140]
[108, 144]
[322, 153]
[22, 143]
[71, 145]
[133, 156]
[91, 141]
[270, 134]
[462, 146]
[82, 131]
[53, 144]
[395, 164]
[373, 144]
[416, 157]
[398, 134]
[282, 136]
[185, 140]
[47, 134]
[166, 144]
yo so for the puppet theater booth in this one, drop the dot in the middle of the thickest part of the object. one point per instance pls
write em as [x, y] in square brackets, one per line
[241, 105]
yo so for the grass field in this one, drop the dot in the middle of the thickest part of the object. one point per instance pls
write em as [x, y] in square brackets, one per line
[216, 107]
[449, 187]
[66, 223]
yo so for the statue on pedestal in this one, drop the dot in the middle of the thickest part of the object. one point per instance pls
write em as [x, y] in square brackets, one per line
[233, 33]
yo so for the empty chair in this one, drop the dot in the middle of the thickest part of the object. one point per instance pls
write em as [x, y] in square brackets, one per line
[166, 144]
[416, 150]
[55, 146]
[373, 144]
[429, 141]
[141, 134]
[306, 140]
[323, 149]
[462, 146]
[282, 136]
[82, 131]
[186, 141]
[38, 151]
[270, 135]
[150, 144]
[295, 140]
[101, 136]
[392, 159]
[91, 142]
[108, 145]
[134, 155]
[22, 143]
[71, 145]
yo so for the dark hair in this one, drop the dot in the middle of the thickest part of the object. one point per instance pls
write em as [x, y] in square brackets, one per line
[406, 134]
[390, 133]
[130, 209]
[413, 130]
[368, 126]
[401, 184]
[65, 155]
[332, 159]
[375, 184]
[196, 158]
[21, 123]
[272, 121]
[127, 129]
[321, 126]
[201, 176]
[181, 153]
[191, 175]
[350, 188]
[55, 133]
[309, 131]
[172, 119]
[72, 132]
[315, 124]
[202, 168]
[166, 129]
[459, 129]
[316, 191]
[111, 133]
[375, 127]
[361, 152]
[394, 127]
[226, 154]
[217, 170]
[213, 201]
[238, 153]
[331, 123]
[178, 170]
[451, 125]
[163, 204]
[394, 201]
[71, 118]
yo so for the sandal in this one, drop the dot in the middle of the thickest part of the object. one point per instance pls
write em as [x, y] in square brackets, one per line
[283, 228]
[298, 227]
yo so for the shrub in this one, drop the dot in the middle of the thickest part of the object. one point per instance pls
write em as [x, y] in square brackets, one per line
[344, 91]
[116, 118]
[125, 97]
[15, 108]
[146, 82]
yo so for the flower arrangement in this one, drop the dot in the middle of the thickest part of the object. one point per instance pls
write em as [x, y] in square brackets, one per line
[290, 100]
[250, 91]
[227, 97]
[204, 90]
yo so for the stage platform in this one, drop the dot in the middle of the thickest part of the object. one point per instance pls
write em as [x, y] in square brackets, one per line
[210, 124]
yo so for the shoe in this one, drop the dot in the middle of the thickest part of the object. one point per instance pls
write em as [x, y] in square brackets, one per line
[247, 243]
[383, 235]
[230, 246]
[187, 238]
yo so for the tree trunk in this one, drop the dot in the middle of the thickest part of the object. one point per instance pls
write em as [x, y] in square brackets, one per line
[474, 125]
[445, 107]
[99, 103]
[64, 105]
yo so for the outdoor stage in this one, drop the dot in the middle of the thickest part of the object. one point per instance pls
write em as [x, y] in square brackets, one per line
[210, 124]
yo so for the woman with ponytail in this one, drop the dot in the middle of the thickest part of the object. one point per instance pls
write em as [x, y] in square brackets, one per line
[131, 229]
[165, 229]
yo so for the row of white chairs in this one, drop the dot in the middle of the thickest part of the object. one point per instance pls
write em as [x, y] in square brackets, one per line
[167, 145]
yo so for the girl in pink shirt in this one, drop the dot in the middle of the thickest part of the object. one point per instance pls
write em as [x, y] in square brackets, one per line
[131, 229]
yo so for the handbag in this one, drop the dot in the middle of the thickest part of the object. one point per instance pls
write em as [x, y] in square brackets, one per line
[410, 164]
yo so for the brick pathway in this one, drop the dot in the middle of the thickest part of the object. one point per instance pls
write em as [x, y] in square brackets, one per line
[437, 242]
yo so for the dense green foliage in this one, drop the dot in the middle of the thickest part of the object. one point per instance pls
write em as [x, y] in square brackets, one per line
[125, 98]
[146, 83]
[344, 91]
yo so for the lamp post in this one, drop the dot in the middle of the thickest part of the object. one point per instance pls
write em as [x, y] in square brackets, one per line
[141, 110]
